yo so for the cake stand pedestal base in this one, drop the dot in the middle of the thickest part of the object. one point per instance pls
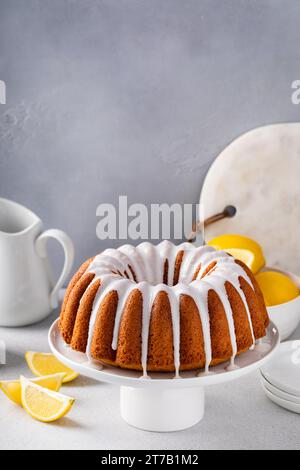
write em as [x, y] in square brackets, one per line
[162, 410]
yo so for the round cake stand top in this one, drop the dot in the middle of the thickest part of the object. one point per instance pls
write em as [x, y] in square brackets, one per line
[245, 363]
[162, 403]
[258, 173]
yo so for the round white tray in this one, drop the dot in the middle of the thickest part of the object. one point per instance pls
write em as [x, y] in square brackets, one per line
[258, 173]
[161, 402]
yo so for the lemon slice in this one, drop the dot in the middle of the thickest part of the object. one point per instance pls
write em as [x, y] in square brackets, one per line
[243, 255]
[43, 404]
[228, 242]
[12, 388]
[277, 288]
[42, 364]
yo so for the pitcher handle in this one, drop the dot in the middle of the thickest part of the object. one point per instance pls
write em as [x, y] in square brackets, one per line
[68, 247]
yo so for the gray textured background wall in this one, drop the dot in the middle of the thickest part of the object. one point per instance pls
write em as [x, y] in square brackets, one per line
[136, 97]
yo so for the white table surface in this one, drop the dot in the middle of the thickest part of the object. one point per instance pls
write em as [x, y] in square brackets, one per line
[238, 415]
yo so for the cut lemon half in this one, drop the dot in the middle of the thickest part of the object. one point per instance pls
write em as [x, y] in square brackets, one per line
[243, 255]
[43, 404]
[277, 288]
[228, 242]
[42, 364]
[12, 388]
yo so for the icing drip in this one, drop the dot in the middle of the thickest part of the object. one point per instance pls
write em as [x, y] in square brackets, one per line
[216, 283]
[199, 292]
[174, 303]
[232, 366]
[142, 267]
[147, 303]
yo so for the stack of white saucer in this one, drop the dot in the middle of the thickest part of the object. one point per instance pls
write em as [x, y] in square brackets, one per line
[280, 377]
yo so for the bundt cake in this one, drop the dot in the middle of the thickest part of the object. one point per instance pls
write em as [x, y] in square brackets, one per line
[163, 308]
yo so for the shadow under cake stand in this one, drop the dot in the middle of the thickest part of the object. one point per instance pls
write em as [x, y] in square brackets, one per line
[161, 402]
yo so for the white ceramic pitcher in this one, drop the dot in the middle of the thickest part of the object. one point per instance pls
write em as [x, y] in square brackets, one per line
[27, 293]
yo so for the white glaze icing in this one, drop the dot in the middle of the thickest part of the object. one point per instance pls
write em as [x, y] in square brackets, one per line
[142, 267]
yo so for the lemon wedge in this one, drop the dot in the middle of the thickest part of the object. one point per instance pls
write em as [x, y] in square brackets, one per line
[235, 242]
[12, 388]
[42, 364]
[43, 404]
[277, 288]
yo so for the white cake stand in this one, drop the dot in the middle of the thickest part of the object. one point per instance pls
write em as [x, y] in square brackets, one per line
[162, 403]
